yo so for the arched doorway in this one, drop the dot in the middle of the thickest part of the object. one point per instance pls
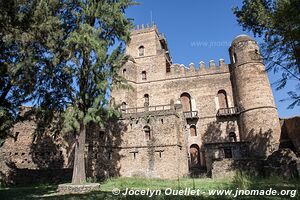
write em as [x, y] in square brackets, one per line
[185, 99]
[194, 156]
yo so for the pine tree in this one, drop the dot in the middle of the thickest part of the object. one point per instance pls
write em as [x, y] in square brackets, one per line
[29, 30]
[96, 52]
[63, 57]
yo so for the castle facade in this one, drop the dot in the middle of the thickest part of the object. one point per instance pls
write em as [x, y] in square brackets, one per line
[176, 121]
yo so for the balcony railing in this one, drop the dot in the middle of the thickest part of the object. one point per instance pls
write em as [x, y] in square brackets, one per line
[145, 109]
[228, 111]
[191, 115]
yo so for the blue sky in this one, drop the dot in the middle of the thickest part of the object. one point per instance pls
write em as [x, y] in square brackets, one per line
[200, 30]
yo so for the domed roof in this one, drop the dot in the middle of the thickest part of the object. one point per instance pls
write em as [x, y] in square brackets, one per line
[241, 38]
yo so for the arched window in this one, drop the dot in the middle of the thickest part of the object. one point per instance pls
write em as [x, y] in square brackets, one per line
[123, 107]
[141, 51]
[147, 132]
[193, 131]
[124, 72]
[146, 100]
[144, 75]
[222, 98]
[195, 155]
[185, 99]
[232, 137]
[146, 97]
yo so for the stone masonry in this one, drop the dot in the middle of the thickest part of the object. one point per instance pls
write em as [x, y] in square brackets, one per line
[176, 120]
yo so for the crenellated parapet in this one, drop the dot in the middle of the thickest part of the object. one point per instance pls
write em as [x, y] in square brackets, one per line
[180, 70]
[143, 29]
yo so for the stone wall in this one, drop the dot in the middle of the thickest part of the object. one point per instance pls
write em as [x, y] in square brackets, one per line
[126, 150]
[217, 151]
[290, 130]
[228, 168]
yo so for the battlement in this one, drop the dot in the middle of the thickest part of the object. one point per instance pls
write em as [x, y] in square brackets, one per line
[144, 29]
[180, 70]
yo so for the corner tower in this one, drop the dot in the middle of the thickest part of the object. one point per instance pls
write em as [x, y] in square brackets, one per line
[258, 121]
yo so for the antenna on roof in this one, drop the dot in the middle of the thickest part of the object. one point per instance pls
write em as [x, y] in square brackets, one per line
[151, 18]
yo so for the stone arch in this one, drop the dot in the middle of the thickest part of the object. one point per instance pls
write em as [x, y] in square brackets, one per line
[193, 130]
[185, 99]
[141, 50]
[194, 155]
[222, 99]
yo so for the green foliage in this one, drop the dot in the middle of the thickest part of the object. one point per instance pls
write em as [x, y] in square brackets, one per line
[93, 62]
[278, 21]
[48, 191]
[29, 30]
[60, 54]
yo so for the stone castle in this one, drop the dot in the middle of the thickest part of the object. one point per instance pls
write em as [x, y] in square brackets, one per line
[176, 121]
[180, 119]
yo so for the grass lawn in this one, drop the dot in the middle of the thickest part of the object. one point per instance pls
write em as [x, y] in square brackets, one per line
[204, 185]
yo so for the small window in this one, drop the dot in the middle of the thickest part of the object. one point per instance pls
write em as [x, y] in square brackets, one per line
[124, 72]
[141, 51]
[168, 67]
[234, 58]
[232, 137]
[110, 155]
[146, 98]
[123, 107]
[222, 98]
[101, 135]
[147, 132]
[16, 136]
[193, 130]
[144, 75]
[227, 153]
[134, 154]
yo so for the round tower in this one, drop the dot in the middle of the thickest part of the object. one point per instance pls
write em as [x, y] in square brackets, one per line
[258, 119]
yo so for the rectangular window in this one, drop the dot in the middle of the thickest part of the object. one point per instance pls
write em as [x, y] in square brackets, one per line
[227, 153]
[144, 75]
[168, 67]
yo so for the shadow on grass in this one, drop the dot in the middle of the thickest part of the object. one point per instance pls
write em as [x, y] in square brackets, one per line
[30, 192]
[240, 181]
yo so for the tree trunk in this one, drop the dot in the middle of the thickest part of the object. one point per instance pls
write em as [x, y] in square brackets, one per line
[79, 176]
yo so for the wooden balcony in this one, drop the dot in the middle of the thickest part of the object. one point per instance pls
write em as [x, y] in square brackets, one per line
[191, 115]
[232, 111]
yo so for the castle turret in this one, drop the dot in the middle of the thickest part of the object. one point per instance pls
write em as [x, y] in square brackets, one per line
[258, 121]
